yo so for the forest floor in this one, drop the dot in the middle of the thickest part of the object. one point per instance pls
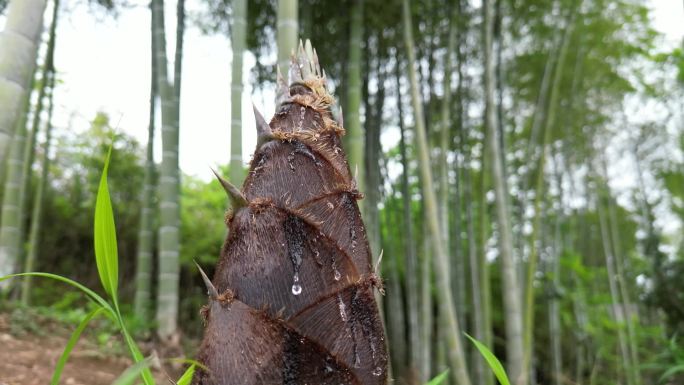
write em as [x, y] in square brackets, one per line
[29, 358]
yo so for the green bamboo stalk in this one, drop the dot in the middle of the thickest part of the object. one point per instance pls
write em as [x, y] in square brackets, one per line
[617, 309]
[425, 285]
[444, 143]
[38, 201]
[555, 332]
[477, 271]
[144, 255]
[287, 30]
[511, 291]
[539, 190]
[12, 217]
[169, 186]
[30, 146]
[239, 43]
[352, 119]
[396, 324]
[19, 44]
[373, 151]
[410, 258]
[630, 317]
[457, 360]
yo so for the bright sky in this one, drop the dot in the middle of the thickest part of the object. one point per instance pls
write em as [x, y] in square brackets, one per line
[104, 65]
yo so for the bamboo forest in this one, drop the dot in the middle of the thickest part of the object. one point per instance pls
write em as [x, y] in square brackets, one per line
[369, 192]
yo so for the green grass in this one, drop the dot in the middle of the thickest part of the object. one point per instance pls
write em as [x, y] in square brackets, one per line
[107, 261]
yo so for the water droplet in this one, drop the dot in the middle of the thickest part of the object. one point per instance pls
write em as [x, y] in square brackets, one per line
[342, 306]
[336, 273]
[296, 289]
[377, 371]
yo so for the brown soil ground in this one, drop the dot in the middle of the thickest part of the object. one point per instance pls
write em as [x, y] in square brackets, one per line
[30, 360]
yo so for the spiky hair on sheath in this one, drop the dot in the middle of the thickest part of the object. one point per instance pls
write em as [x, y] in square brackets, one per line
[292, 299]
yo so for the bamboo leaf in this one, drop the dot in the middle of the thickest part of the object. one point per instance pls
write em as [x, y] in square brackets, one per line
[439, 378]
[70, 345]
[186, 378]
[492, 361]
[106, 255]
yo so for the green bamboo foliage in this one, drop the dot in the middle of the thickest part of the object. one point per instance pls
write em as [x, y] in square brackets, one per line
[169, 178]
[239, 43]
[287, 28]
[38, 201]
[144, 254]
[456, 355]
[19, 44]
[511, 292]
[352, 115]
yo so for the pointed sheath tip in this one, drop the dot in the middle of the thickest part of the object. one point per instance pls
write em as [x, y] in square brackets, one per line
[236, 197]
[377, 264]
[211, 289]
[264, 132]
[279, 77]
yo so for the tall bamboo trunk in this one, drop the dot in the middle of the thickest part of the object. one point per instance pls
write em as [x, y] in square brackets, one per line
[396, 324]
[19, 43]
[631, 317]
[239, 43]
[144, 254]
[38, 201]
[373, 151]
[445, 144]
[410, 259]
[12, 215]
[475, 264]
[620, 279]
[617, 309]
[555, 332]
[511, 292]
[538, 119]
[287, 30]
[169, 181]
[352, 114]
[30, 146]
[425, 284]
[549, 124]
[457, 360]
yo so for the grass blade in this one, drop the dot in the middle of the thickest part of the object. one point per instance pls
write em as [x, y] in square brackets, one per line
[70, 345]
[106, 255]
[91, 294]
[186, 378]
[129, 375]
[671, 372]
[439, 378]
[135, 351]
[492, 361]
